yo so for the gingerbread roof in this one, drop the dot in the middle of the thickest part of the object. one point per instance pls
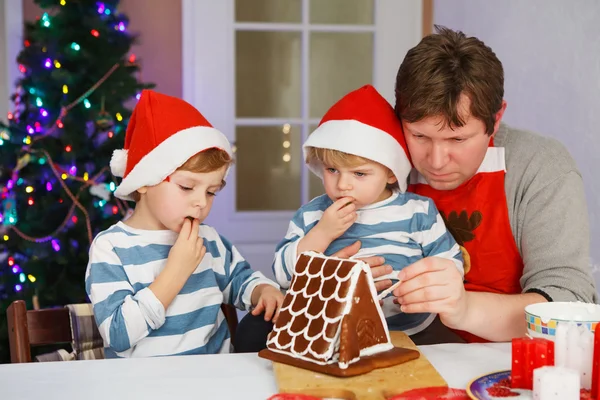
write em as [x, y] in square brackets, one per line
[320, 294]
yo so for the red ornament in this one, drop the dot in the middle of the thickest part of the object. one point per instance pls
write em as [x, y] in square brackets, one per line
[74, 219]
[11, 261]
[115, 210]
[95, 33]
[529, 354]
[27, 43]
[22, 68]
[30, 201]
[68, 149]
[111, 134]
[59, 124]
[132, 58]
[596, 373]
[10, 115]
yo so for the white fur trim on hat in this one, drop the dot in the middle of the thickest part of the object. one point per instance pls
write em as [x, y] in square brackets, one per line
[354, 137]
[171, 154]
[118, 162]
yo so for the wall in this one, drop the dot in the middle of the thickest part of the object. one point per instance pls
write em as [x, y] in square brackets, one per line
[550, 50]
[158, 23]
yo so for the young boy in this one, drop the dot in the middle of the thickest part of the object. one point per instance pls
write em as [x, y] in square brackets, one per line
[158, 279]
[360, 153]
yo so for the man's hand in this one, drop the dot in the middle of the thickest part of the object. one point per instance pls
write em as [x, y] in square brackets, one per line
[433, 285]
[267, 299]
[375, 262]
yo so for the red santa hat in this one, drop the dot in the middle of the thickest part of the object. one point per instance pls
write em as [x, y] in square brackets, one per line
[163, 133]
[364, 124]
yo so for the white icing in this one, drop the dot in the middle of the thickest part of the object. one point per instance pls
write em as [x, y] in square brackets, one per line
[331, 354]
[378, 348]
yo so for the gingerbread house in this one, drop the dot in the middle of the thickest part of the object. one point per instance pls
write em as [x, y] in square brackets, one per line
[331, 319]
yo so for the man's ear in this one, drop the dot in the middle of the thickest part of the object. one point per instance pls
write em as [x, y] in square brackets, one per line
[498, 118]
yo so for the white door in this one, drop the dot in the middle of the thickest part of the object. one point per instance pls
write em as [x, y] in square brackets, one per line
[11, 41]
[264, 72]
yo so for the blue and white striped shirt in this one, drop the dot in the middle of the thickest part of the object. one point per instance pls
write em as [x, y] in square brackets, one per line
[132, 321]
[403, 228]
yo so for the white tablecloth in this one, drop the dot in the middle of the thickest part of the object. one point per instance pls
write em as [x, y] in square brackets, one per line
[233, 376]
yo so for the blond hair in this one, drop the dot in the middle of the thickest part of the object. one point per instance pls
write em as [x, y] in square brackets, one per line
[206, 161]
[339, 159]
[334, 158]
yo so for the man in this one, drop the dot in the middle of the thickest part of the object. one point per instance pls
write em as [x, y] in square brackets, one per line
[514, 200]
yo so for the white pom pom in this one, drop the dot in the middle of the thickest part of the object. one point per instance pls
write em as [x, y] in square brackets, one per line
[118, 162]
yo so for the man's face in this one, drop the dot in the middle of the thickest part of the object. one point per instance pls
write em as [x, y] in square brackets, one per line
[448, 157]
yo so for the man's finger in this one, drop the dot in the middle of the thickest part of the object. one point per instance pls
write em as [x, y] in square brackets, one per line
[426, 294]
[424, 265]
[420, 282]
[349, 251]
[382, 285]
[374, 262]
[381, 270]
[434, 307]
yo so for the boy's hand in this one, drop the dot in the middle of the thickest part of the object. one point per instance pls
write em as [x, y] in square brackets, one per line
[188, 251]
[267, 299]
[337, 218]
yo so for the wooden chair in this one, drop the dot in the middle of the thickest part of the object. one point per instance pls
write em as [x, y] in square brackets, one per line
[53, 326]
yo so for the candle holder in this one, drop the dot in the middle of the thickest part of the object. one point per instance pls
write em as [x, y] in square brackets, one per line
[574, 347]
[556, 383]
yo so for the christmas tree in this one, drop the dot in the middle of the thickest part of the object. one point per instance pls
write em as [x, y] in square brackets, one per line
[78, 85]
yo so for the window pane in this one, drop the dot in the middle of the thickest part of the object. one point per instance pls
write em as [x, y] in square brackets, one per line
[268, 10]
[315, 184]
[268, 74]
[349, 12]
[268, 165]
[339, 63]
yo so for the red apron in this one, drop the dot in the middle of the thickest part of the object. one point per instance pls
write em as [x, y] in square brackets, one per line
[477, 216]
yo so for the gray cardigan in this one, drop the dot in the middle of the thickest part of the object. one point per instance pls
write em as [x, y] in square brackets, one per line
[548, 216]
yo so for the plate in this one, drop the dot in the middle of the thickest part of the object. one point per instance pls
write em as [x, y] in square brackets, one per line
[496, 385]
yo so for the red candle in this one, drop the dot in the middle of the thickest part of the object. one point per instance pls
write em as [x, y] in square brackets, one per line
[596, 373]
[527, 355]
